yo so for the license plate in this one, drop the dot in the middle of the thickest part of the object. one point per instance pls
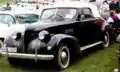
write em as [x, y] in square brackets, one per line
[12, 49]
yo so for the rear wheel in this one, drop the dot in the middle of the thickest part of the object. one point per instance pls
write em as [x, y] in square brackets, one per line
[63, 56]
[1, 44]
[106, 40]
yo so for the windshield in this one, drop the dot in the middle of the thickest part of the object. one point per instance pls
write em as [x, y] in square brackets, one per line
[59, 14]
[26, 18]
[6, 19]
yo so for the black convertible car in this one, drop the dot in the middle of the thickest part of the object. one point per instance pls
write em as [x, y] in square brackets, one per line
[63, 32]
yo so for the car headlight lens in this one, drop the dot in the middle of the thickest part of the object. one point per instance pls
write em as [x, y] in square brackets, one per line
[16, 35]
[42, 34]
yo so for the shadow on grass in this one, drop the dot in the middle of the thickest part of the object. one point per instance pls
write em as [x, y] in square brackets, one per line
[86, 53]
[49, 66]
[32, 66]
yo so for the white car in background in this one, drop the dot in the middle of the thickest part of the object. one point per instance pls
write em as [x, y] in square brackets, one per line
[95, 2]
[15, 21]
[18, 7]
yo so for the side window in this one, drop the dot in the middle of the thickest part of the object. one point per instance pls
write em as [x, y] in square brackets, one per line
[80, 11]
[7, 19]
[79, 14]
[87, 13]
[10, 20]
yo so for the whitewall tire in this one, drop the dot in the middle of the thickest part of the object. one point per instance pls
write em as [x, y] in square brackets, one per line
[106, 40]
[63, 57]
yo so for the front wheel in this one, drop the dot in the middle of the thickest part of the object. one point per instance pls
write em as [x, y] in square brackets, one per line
[63, 57]
[12, 61]
[106, 40]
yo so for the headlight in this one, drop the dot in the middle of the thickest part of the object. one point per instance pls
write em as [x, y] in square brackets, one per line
[16, 35]
[42, 34]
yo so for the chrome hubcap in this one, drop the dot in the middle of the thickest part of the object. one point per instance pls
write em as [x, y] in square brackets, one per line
[64, 57]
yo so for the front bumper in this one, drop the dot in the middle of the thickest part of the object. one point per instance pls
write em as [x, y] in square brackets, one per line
[26, 56]
[30, 56]
[35, 50]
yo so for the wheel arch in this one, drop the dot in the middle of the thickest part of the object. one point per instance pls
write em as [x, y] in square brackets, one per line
[2, 39]
[72, 44]
[70, 41]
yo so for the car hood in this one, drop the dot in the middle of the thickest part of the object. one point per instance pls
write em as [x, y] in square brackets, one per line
[44, 24]
[2, 26]
[3, 29]
[7, 30]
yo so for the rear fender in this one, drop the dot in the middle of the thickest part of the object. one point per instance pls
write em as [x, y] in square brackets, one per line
[106, 26]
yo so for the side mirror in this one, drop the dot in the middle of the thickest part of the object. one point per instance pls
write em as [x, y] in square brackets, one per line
[81, 17]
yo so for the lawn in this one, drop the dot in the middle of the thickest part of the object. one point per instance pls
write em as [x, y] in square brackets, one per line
[104, 60]
[5, 1]
[92, 60]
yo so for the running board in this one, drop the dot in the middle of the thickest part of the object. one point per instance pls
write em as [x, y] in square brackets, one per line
[91, 45]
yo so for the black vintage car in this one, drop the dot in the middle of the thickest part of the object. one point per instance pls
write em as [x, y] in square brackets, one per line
[63, 32]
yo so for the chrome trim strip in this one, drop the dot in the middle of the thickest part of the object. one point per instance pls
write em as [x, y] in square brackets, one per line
[91, 45]
[30, 56]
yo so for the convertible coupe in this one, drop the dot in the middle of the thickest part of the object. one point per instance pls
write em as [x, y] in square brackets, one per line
[63, 32]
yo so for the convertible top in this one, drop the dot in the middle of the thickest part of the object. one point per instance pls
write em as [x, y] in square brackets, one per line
[78, 4]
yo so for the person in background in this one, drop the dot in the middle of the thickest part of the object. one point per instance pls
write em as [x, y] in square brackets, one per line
[113, 5]
[37, 7]
[113, 16]
[114, 21]
[104, 9]
[8, 7]
[118, 4]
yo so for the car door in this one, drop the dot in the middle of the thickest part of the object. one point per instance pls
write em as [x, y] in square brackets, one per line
[79, 27]
[87, 30]
[91, 29]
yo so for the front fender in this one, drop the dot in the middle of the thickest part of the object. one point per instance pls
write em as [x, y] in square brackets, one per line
[56, 39]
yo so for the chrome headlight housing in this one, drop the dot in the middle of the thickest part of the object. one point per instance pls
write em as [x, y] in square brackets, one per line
[16, 35]
[42, 34]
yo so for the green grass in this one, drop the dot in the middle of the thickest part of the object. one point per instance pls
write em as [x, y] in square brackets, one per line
[103, 60]
[5, 1]
[100, 61]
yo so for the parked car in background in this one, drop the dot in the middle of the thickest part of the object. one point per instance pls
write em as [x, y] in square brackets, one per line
[34, 3]
[17, 7]
[15, 21]
[62, 33]
[95, 2]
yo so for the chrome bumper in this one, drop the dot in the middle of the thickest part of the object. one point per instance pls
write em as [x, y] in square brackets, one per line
[36, 56]
[29, 56]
